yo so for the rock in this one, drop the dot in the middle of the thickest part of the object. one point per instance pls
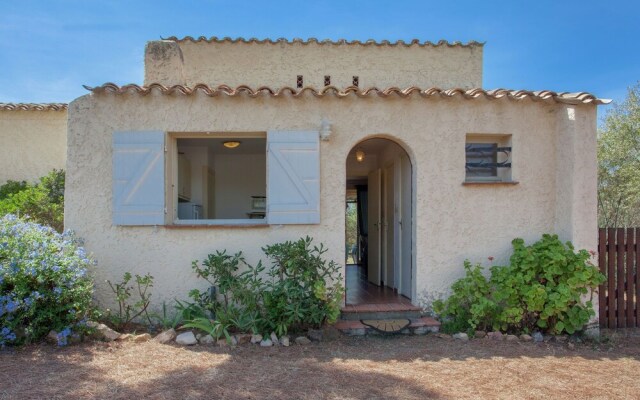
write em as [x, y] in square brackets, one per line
[266, 343]
[330, 333]
[124, 337]
[224, 342]
[461, 336]
[560, 338]
[186, 339]
[198, 336]
[512, 338]
[571, 346]
[243, 338]
[302, 341]
[166, 336]
[479, 334]
[206, 339]
[256, 339]
[274, 339]
[103, 332]
[285, 341]
[145, 337]
[315, 335]
[497, 335]
[443, 336]
[52, 337]
[537, 337]
[526, 338]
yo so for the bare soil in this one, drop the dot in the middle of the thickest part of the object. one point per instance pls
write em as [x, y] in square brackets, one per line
[397, 367]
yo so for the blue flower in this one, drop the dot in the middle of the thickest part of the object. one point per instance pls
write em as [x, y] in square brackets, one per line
[63, 335]
[57, 291]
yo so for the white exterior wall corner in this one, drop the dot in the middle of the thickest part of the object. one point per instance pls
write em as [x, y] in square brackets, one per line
[252, 64]
[452, 222]
[577, 180]
[32, 143]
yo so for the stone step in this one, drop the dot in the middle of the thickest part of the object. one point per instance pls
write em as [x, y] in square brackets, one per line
[380, 311]
[418, 326]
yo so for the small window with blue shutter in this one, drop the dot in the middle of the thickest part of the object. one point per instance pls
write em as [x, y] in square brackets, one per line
[488, 158]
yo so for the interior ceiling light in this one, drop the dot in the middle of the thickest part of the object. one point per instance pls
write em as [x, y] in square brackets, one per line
[359, 155]
[231, 144]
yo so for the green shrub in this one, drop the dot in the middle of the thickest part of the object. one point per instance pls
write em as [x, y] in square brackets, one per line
[43, 282]
[303, 290]
[541, 289]
[12, 187]
[129, 310]
[42, 203]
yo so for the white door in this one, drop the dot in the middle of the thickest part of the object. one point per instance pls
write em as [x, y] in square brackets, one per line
[374, 225]
[406, 227]
[388, 220]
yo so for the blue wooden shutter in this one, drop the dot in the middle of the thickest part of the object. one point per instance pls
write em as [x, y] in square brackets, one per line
[138, 178]
[293, 177]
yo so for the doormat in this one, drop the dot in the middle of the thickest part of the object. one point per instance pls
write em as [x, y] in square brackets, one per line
[387, 325]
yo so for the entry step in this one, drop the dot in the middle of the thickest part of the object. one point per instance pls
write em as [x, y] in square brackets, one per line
[418, 326]
[380, 311]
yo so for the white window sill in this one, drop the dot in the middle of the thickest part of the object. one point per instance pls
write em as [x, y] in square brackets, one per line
[222, 223]
[488, 182]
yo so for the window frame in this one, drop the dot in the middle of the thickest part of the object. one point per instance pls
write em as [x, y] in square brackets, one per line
[502, 174]
[171, 178]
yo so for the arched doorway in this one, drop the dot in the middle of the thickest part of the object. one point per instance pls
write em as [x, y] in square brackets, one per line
[379, 223]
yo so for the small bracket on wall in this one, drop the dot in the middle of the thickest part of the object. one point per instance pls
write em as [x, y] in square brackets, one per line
[325, 129]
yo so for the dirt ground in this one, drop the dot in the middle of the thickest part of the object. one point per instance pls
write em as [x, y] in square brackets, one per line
[397, 367]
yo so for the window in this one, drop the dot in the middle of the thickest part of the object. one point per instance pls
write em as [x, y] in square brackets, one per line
[488, 158]
[216, 178]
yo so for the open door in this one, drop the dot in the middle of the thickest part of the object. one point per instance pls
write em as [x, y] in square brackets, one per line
[374, 218]
[406, 227]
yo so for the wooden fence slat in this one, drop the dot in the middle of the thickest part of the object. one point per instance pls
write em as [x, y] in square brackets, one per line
[620, 315]
[611, 278]
[602, 264]
[629, 292]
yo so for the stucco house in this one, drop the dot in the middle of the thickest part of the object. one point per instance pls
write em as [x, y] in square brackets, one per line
[33, 140]
[235, 144]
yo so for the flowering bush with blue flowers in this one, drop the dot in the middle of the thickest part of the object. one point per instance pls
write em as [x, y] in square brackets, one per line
[44, 284]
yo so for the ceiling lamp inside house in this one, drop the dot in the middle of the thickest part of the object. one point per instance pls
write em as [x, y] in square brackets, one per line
[231, 144]
[359, 155]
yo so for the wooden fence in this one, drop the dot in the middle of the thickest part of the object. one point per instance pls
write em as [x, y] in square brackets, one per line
[619, 260]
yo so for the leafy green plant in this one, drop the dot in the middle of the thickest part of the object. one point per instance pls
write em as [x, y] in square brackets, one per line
[167, 319]
[127, 311]
[542, 289]
[212, 327]
[470, 305]
[303, 289]
[42, 203]
[44, 282]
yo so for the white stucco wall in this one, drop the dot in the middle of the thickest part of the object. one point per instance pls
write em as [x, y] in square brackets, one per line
[278, 65]
[453, 222]
[32, 143]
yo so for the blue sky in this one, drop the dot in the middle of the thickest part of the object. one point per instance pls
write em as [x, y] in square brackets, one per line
[49, 49]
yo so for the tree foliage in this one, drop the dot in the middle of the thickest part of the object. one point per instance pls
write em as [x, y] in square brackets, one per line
[42, 202]
[619, 164]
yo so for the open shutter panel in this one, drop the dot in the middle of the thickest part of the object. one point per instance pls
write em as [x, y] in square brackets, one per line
[138, 178]
[293, 177]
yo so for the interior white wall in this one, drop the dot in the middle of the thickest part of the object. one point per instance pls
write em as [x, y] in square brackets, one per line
[198, 157]
[238, 177]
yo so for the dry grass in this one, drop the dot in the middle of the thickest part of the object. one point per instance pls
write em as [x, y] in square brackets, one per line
[350, 368]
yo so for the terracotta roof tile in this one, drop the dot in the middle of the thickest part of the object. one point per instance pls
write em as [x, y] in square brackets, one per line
[370, 42]
[544, 95]
[33, 107]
